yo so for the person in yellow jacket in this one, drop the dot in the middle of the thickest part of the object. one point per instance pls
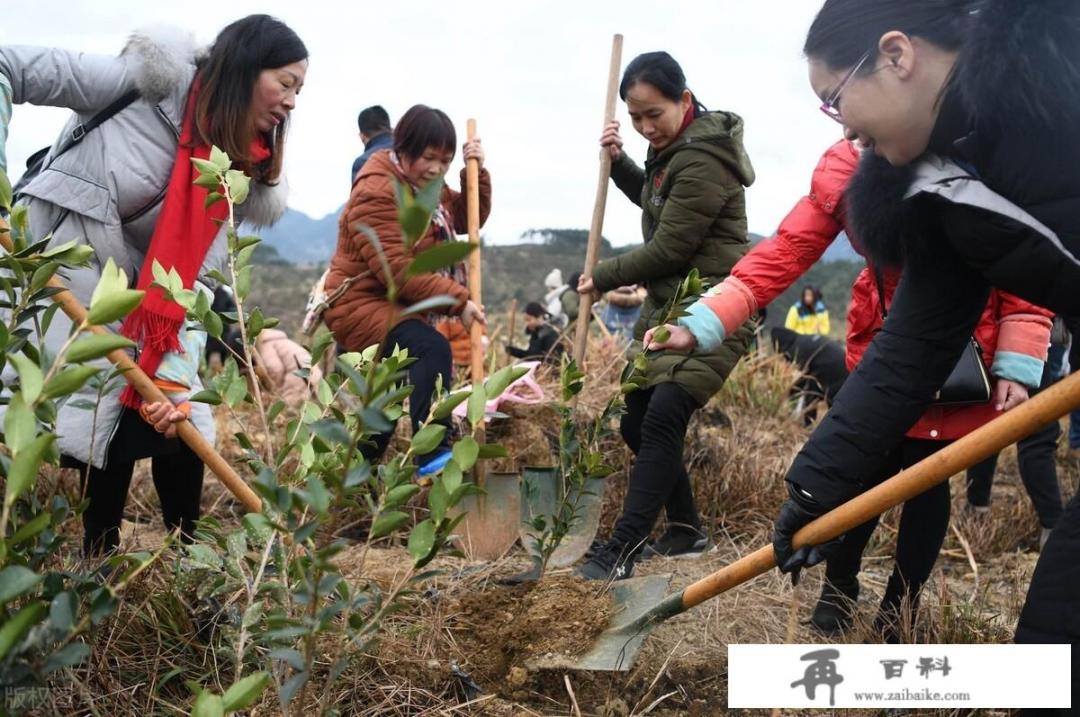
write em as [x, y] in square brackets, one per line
[809, 316]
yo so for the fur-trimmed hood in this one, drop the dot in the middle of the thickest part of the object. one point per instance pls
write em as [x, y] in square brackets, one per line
[163, 57]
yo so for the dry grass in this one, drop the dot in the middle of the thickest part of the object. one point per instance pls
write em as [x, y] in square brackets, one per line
[738, 450]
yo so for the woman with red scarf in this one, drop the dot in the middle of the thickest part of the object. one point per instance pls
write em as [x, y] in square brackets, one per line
[691, 192]
[127, 190]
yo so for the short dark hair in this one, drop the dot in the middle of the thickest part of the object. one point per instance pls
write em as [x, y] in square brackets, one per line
[845, 30]
[534, 309]
[373, 120]
[422, 127]
[660, 70]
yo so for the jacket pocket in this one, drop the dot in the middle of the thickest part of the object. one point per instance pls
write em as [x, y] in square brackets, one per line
[77, 194]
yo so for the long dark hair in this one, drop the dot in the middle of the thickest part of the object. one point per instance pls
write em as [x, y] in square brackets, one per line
[660, 70]
[227, 77]
[845, 30]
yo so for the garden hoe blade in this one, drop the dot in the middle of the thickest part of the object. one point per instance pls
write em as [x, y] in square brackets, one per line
[490, 527]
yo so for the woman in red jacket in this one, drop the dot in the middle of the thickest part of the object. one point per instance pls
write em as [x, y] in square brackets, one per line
[1012, 334]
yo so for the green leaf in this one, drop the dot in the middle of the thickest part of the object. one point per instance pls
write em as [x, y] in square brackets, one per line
[94, 346]
[414, 221]
[387, 523]
[661, 334]
[209, 396]
[5, 191]
[291, 687]
[13, 630]
[62, 610]
[206, 167]
[318, 496]
[422, 541]
[212, 198]
[446, 406]
[69, 381]
[430, 196]
[438, 500]
[28, 530]
[69, 656]
[25, 464]
[400, 495]
[452, 475]
[435, 302]
[219, 159]
[245, 692]
[501, 379]
[16, 580]
[466, 451]
[30, 377]
[114, 306]
[438, 257]
[208, 181]
[213, 324]
[207, 704]
[42, 275]
[239, 185]
[428, 439]
[477, 405]
[20, 426]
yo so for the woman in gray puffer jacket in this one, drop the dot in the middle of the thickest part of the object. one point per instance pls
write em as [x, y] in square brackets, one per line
[109, 191]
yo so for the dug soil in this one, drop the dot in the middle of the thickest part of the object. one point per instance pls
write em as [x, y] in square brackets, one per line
[504, 628]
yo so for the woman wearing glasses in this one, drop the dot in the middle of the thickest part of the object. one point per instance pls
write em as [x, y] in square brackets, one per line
[1011, 333]
[971, 182]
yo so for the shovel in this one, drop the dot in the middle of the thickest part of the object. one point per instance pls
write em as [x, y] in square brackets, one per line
[639, 606]
[587, 522]
[149, 392]
[490, 527]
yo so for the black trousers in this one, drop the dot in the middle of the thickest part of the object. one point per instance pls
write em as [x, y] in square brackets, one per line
[1051, 612]
[654, 427]
[923, 525]
[433, 359]
[1038, 471]
[177, 474]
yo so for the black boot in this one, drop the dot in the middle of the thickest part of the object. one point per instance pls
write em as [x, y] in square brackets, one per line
[613, 561]
[835, 609]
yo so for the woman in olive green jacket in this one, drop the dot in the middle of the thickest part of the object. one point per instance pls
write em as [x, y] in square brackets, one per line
[692, 193]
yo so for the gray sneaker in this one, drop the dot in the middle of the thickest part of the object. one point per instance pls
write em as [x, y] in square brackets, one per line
[676, 544]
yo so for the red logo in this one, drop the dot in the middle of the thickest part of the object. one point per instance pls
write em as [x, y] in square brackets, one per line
[658, 179]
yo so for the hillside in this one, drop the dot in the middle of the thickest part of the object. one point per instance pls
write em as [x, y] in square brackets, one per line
[298, 248]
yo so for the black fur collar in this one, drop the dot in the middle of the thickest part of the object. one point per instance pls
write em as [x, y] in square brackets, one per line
[890, 229]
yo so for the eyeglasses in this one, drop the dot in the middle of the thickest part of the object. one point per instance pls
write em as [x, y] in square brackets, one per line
[830, 105]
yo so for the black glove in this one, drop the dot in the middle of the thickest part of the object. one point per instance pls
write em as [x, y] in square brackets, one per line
[794, 514]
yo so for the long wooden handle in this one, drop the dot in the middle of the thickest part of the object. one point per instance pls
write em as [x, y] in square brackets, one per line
[476, 332]
[596, 229]
[1050, 405]
[151, 393]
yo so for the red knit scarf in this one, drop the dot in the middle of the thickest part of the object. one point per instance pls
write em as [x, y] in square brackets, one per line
[182, 237]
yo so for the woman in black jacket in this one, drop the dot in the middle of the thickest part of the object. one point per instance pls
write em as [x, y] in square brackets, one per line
[968, 111]
[544, 340]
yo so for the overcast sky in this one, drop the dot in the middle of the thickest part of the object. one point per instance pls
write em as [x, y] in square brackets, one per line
[533, 74]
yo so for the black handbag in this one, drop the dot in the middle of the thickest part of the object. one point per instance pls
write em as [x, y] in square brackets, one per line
[969, 381]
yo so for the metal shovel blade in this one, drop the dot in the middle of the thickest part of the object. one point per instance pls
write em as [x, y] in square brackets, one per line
[541, 493]
[490, 527]
[635, 614]
[583, 529]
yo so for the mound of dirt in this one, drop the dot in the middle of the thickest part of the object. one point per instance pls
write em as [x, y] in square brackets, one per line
[502, 629]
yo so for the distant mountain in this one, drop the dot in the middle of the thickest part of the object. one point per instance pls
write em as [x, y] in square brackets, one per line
[299, 239]
[839, 250]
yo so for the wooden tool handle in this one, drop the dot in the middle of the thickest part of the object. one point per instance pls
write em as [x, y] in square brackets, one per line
[596, 229]
[476, 332]
[151, 393]
[1050, 405]
[512, 320]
